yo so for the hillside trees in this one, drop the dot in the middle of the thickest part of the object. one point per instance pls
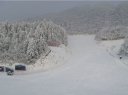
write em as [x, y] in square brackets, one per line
[112, 33]
[27, 41]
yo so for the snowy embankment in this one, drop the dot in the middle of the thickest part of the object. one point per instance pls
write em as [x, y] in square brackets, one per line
[113, 48]
[91, 70]
[57, 57]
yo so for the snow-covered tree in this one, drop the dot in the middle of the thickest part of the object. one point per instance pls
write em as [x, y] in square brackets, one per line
[124, 48]
[112, 33]
[27, 41]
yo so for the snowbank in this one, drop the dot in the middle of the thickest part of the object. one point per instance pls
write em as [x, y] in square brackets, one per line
[112, 47]
[57, 57]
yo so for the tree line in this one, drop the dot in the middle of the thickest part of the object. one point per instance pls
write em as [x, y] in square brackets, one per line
[26, 41]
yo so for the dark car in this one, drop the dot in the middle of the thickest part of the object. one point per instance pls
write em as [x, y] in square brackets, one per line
[9, 71]
[1, 68]
[20, 67]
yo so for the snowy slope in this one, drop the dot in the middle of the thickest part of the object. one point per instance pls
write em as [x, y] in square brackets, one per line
[57, 57]
[89, 71]
[112, 46]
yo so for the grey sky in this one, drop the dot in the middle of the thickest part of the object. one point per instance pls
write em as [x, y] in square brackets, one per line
[20, 10]
[25, 9]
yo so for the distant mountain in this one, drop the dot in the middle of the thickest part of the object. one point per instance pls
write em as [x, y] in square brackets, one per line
[92, 16]
[120, 14]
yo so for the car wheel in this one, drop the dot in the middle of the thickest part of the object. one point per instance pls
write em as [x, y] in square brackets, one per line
[9, 73]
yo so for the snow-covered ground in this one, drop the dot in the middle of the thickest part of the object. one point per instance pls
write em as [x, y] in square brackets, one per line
[91, 70]
[112, 46]
[57, 57]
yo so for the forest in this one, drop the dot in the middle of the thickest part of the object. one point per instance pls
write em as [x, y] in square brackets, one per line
[25, 42]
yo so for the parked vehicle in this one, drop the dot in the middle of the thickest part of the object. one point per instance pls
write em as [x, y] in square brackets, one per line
[8, 70]
[1, 68]
[20, 67]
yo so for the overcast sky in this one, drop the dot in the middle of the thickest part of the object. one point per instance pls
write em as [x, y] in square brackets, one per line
[21, 10]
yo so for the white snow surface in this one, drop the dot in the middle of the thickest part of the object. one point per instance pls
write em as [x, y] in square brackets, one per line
[91, 70]
[112, 46]
[57, 57]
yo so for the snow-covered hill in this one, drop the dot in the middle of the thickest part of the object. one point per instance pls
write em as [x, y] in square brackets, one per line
[57, 57]
[89, 71]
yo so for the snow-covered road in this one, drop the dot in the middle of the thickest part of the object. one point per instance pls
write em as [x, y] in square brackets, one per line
[89, 71]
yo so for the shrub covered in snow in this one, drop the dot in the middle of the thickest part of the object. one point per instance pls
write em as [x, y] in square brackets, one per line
[124, 48]
[112, 33]
[25, 42]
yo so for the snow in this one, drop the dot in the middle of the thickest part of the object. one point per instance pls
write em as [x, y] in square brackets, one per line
[57, 57]
[112, 46]
[91, 70]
